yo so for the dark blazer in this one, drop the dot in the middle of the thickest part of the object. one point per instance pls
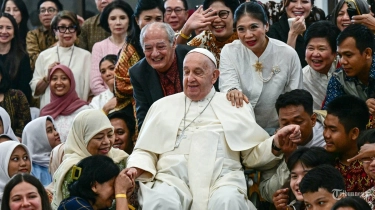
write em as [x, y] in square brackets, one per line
[146, 84]
[280, 31]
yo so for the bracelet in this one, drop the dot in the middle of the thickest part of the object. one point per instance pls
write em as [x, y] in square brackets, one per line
[232, 89]
[45, 80]
[275, 147]
[184, 35]
[120, 196]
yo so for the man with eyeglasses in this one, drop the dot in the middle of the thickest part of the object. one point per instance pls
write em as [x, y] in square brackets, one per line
[175, 13]
[92, 32]
[42, 38]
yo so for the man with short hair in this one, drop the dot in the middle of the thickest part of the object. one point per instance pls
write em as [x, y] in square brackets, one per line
[293, 107]
[159, 73]
[43, 37]
[91, 31]
[356, 76]
[176, 13]
[189, 151]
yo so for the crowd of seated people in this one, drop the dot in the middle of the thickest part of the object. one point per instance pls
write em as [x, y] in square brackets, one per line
[296, 86]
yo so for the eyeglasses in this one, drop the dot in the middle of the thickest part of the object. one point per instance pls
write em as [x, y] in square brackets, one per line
[49, 10]
[177, 10]
[62, 29]
[367, 160]
[223, 14]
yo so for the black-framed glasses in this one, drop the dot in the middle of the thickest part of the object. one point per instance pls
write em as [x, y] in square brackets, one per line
[177, 10]
[49, 10]
[223, 14]
[62, 29]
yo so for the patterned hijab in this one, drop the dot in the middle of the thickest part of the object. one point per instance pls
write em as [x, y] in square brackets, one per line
[66, 104]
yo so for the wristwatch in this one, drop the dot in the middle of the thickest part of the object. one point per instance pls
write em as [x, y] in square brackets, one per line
[275, 147]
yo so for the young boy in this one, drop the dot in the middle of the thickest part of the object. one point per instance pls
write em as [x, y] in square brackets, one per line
[321, 187]
[346, 117]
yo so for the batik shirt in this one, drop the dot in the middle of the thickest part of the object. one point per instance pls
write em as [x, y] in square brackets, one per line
[355, 177]
[369, 197]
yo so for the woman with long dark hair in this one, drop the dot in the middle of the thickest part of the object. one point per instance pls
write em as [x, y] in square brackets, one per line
[13, 57]
[22, 186]
[18, 9]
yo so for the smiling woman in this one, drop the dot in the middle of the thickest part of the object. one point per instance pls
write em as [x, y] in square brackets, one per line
[304, 13]
[66, 27]
[65, 103]
[217, 15]
[18, 10]
[86, 138]
[25, 191]
[14, 158]
[252, 69]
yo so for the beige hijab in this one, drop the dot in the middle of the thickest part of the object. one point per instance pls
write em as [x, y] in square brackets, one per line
[84, 127]
[56, 158]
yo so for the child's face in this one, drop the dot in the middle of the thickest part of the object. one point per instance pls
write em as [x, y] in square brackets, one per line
[337, 140]
[296, 175]
[320, 200]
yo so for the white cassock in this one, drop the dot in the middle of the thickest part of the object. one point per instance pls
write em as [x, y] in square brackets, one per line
[199, 168]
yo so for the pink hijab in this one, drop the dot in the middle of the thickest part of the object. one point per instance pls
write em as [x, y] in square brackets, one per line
[66, 104]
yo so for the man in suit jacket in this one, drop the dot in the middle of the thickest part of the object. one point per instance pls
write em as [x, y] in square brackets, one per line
[160, 73]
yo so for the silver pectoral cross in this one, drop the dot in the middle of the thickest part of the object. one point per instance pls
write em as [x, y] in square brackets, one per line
[180, 138]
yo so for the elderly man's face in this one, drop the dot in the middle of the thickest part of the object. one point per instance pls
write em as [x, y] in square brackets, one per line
[159, 52]
[199, 76]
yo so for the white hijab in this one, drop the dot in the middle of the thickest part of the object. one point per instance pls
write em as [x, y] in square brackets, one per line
[34, 136]
[7, 124]
[84, 127]
[6, 150]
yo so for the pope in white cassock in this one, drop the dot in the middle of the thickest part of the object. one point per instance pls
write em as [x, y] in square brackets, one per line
[189, 151]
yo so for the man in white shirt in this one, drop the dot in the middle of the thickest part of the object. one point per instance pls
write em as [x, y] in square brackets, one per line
[294, 107]
[189, 150]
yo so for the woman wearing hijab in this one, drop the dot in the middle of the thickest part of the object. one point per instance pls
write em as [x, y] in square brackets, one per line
[14, 158]
[65, 103]
[5, 124]
[87, 137]
[40, 136]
